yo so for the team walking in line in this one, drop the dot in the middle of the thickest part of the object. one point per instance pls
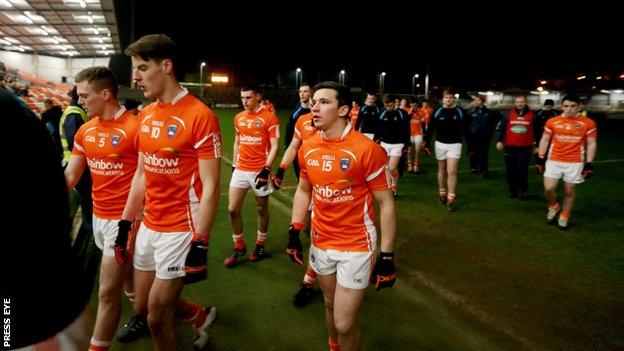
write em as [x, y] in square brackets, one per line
[156, 177]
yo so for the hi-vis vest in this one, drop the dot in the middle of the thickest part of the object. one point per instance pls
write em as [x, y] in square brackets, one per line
[69, 110]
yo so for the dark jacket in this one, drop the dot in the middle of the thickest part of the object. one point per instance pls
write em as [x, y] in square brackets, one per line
[292, 120]
[394, 127]
[481, 122]
[449, 125]
[368, 119]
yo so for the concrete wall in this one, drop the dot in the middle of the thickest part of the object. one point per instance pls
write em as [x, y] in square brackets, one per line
[50, 67]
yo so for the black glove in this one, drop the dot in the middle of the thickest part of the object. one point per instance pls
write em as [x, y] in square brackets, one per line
[233, 168]
[196, 262]
[262, 179]
[121, 242]
[540, 164]
[294, 249]
[384, 273]
[277, 179]
[588, 170]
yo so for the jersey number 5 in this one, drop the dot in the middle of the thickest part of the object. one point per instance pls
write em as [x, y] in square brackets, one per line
[327, 166]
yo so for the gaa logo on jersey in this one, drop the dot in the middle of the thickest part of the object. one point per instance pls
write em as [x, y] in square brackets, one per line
[115, 140]
[258, 123]
[344, 163]
[171, 130]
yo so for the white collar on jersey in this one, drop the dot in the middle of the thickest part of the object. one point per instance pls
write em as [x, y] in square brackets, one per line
[119, 112]
[179, 97]
[345, 132]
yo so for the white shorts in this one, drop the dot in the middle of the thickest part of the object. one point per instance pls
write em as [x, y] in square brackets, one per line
[245, 180]
[416, 139]
[369, 135]
[570, 172]
[104, 234]
[163, 252]
[442, 150]
[353, 268]
[393, 149]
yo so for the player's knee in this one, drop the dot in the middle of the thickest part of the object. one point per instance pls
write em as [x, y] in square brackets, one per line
[108, 292]
[343, 325]
[156, 322]
[235, 212]
[568, 192]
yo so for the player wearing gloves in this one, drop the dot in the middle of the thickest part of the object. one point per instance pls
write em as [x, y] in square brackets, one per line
[178, 177]
[384, 273]
[110, 137]
[255, 148]
[294, 248]
[572, 139]
[342, 171]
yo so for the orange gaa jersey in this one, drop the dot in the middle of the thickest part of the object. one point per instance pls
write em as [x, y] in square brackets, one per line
[254, 131]
[172, 138]
[415, 123]
[568, 137]
[344, 173]
[110, 148]
[304, 128]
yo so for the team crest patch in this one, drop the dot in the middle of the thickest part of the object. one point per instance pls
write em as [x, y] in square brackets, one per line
[115, 140]
[258, 123]
[578, 126]
[171, 130]
[344, 163]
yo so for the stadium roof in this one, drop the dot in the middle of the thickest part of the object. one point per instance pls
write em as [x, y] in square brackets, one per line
[59, 27]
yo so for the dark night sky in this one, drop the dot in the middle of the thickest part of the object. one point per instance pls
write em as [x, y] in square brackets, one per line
[467, 53]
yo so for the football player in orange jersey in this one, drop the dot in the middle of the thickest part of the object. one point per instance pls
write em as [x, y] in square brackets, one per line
[572, 139]
[107, 144]
[342, 171]
[178, 177]
[255, 148]
[267, 104]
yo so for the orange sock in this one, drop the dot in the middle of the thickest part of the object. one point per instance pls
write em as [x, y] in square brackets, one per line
[190, 313]
[333, 344]
[554, 205]
[261, 238]
[395, 177]
[98, 345]
[565, 214]
[185, 309]
[239, 241]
